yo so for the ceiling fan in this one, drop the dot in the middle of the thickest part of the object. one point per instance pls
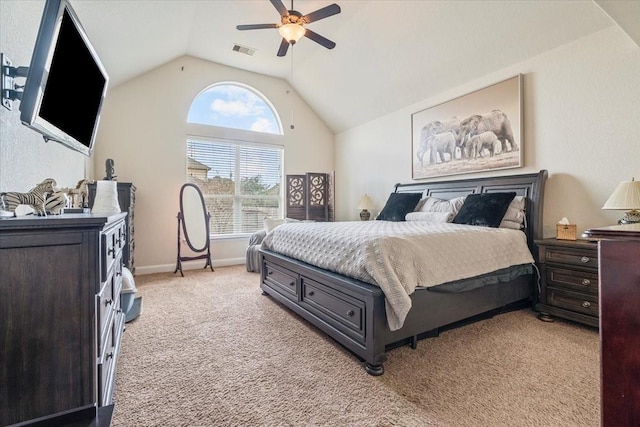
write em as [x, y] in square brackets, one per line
[292, 24]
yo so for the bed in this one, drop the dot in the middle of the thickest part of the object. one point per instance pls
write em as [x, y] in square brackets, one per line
[355, 311]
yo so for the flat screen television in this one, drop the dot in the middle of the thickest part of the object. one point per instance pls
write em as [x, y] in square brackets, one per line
[66, 83]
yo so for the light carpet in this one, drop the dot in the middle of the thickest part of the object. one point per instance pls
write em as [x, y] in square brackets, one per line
[210, 350]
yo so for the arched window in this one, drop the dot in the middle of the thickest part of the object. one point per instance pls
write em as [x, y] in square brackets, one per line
[235, 155]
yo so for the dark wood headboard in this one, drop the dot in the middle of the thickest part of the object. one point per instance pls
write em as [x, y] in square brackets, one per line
[529, 185]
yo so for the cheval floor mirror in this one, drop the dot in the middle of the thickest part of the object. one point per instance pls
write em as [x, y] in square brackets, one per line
[193, 221]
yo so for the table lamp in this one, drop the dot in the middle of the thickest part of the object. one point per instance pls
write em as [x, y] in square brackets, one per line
[365, 204]
[626, 196]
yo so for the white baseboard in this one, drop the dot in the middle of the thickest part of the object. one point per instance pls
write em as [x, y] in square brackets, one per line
[187, 265]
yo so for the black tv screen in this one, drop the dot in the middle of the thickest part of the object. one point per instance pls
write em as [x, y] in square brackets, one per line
[66, 83]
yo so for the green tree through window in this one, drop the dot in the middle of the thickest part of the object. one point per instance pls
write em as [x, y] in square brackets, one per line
[240, 174]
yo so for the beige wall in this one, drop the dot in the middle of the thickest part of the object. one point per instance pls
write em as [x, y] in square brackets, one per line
[581, 123]
[143, 129]
[25, 159]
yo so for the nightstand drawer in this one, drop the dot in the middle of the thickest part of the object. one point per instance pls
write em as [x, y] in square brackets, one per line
[577, 280]
[581, 257]
[574, 301]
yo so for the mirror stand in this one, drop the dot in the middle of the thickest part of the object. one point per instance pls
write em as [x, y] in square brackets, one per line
[193, 221]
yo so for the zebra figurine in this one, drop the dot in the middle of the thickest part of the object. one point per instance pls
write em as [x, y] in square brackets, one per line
[55, 202]
[35, 197]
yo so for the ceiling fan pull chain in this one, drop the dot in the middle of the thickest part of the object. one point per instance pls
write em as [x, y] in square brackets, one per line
[292, 125]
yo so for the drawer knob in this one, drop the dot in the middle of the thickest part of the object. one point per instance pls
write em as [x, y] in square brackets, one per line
[586, 304]
[270, 272]
[350, 313]
[108, 302]
[292, 284]
[109, 355]
[585, 259]
[586, 282]
[311, 293]
[111, 251]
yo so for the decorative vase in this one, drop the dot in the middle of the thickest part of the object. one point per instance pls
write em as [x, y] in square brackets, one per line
[106, 200]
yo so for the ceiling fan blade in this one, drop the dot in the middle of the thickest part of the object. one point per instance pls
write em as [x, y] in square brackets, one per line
[256, 26]
[319, 39]
[282, 10]
[325, 12]
[284, 45]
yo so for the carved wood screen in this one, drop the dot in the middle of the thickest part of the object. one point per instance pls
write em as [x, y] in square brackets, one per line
[310, 196]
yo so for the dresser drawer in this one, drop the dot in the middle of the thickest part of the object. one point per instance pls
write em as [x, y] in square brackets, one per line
[108, 359]
[108, 301]
[282, 280]
[576, 280]
[105, 366]
[574, 301]
[343, 311]
[112, 243]
[581, 257]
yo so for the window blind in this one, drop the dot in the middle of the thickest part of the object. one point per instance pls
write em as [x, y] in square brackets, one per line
[241, 183]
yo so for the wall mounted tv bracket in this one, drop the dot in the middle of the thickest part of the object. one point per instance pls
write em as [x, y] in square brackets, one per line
[11, 91]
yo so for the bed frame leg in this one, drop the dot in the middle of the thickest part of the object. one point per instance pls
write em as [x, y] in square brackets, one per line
[375, 370]
[414, 342]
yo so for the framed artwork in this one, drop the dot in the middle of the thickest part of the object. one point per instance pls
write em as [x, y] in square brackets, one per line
[476, 132]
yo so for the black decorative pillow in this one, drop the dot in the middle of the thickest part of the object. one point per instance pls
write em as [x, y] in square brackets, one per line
[486, 209]
[399, 205]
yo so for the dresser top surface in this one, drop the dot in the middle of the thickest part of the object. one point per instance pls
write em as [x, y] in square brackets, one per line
[615, 232]
[63, 220]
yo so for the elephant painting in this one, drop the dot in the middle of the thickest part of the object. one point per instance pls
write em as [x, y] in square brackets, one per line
[496, 121]
[434, 128]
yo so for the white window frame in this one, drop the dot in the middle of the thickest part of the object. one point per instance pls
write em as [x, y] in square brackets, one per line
[239, 137]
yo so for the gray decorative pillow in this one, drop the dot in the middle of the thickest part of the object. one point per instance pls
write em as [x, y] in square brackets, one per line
[485, 209]
[398, 206]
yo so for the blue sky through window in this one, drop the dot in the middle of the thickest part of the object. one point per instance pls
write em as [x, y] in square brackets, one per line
[233, 106]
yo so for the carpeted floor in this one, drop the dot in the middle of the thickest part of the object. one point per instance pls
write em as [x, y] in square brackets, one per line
[210, 350]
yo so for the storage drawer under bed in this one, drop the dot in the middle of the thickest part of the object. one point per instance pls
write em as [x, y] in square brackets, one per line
[282, 280]
[343, 311]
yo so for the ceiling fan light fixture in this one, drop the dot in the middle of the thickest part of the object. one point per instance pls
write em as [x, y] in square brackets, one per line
[291, 32]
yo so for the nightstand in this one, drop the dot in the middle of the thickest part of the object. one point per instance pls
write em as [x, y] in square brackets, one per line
[569, 280]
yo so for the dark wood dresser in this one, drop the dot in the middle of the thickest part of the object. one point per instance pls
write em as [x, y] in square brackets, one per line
[127, 202]
[619, 252]
[60, 317]
[569, 280]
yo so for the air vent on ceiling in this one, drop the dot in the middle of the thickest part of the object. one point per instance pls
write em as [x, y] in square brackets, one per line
[243, 49]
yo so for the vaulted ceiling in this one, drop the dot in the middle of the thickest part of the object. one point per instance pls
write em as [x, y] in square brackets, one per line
[388, 54]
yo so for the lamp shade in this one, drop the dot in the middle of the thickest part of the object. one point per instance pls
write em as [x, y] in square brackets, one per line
[291, 32]
[625, 196]
[365, 203]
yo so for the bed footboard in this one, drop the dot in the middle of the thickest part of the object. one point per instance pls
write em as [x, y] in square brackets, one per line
[348, 310]
[353, 314]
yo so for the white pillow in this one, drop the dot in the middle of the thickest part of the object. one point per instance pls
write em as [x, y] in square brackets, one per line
[271, 223]
[511, 224]
[433, 204]
[514, 217]
[434, 217]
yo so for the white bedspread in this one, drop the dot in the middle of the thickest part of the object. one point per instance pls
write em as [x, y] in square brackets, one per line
[399, 256]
